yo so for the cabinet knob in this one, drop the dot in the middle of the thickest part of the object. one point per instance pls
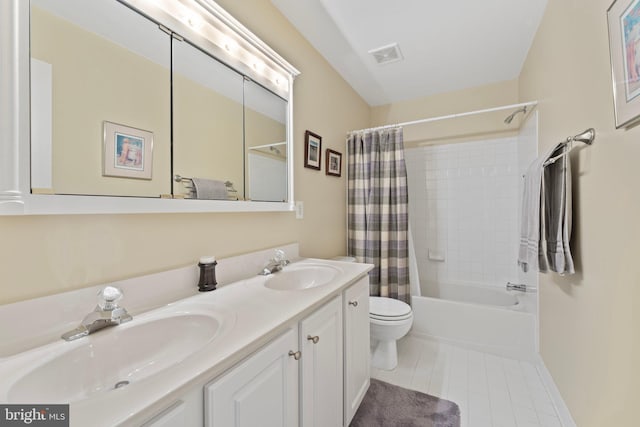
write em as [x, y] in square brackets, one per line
[295, 354]
[313, 339]
[353, 303]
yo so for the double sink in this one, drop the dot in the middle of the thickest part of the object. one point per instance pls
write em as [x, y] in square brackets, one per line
[151, 344]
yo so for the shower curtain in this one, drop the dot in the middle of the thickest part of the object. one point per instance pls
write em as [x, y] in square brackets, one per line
[378, 209]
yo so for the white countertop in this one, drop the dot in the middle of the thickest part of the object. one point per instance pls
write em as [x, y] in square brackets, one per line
[253, 315]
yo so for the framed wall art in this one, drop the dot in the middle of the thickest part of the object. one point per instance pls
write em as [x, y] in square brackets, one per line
[128, 151]
[623, 17]
[334, 163]
[312, 150]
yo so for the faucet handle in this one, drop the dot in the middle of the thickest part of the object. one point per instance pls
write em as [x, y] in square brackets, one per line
[108, 297]
[280, 257]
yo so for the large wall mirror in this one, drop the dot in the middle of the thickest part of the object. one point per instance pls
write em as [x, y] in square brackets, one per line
[131, 100]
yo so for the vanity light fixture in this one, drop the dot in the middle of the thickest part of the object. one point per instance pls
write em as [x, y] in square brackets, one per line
[211, 23]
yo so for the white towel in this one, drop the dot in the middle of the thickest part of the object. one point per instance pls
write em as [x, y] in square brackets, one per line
[209, 189]
[530, 253]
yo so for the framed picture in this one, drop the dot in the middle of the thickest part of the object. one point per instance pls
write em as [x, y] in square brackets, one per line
[334, 163]
[623, 17]
[128, 152]
[312, 150]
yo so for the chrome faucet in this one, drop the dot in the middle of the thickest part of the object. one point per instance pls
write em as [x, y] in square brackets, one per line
[275, 264]
[516, 287]
[107, 313]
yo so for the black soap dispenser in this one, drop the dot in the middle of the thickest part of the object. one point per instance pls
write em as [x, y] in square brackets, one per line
[207, 281]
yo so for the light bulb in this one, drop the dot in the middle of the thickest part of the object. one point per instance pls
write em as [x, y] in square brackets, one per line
[229, 44]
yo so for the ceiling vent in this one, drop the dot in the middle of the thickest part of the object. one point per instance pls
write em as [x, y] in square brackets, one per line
[387, 54]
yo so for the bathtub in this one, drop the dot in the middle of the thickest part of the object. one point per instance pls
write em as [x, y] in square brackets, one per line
[483, 295]
[486, 318]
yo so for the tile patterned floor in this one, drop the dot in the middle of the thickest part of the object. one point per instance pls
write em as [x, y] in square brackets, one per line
[491, 391]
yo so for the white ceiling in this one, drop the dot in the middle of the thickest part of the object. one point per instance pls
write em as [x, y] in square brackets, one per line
[447, 44]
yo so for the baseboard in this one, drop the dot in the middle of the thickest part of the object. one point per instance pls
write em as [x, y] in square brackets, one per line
[558, 402]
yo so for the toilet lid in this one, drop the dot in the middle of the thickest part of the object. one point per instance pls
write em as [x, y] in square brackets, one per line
[381, 307]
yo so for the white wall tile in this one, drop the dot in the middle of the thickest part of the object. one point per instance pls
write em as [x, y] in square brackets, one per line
[466, 197]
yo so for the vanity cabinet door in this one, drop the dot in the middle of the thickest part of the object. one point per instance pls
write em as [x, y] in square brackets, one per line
[322, 382]
[172, 416]
[356, 346]
[261, 391]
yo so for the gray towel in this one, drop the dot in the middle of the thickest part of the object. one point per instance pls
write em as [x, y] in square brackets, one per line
[556, 230]
[209, 189]
[530, 252]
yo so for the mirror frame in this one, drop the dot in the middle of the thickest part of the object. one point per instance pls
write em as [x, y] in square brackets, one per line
[15, 115]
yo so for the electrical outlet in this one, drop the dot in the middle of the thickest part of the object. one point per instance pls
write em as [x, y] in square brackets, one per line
[299, 210]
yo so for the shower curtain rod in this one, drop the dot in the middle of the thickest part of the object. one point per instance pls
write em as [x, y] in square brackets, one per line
[450, 116]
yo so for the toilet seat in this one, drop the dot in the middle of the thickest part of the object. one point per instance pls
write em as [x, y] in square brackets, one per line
[389, 309]
[390, 319]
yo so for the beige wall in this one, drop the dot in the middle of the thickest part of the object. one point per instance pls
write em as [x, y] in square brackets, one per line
[48, 254]
[453, 130]
[590, 334]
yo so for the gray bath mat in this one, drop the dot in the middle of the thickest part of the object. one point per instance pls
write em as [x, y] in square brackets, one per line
[387, 405]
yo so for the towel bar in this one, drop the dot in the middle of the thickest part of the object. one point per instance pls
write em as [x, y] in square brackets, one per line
[188, 185]
[585, 137]
[180, 178]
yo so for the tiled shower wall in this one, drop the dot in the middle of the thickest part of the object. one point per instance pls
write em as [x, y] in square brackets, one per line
[463, 209]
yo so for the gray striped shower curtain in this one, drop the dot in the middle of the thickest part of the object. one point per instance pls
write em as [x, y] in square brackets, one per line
[378, 209]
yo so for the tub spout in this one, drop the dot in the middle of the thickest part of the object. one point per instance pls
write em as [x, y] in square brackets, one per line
[516, 287]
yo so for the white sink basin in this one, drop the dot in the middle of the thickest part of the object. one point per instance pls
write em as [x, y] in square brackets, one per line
[115, 357]
[300, 277]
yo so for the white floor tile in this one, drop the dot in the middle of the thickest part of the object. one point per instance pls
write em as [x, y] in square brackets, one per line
[544, 407]
[549, 421]
[479, 408]
[525, 415]
[491, 391]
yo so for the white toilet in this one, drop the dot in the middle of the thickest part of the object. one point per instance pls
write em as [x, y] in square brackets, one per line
[390, 319]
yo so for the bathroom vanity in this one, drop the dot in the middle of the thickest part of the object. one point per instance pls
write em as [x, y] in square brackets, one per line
[286, 349]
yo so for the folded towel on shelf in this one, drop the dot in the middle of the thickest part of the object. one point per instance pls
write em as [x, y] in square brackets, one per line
[556, 190]
[531, 254]
[209, 189]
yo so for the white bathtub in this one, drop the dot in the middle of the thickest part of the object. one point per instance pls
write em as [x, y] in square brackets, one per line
[485, 318]
[482, 295]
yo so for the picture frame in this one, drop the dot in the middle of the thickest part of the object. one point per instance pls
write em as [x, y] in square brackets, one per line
[312, 150]
[128, 151]
[334, 163]
[623, 18]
